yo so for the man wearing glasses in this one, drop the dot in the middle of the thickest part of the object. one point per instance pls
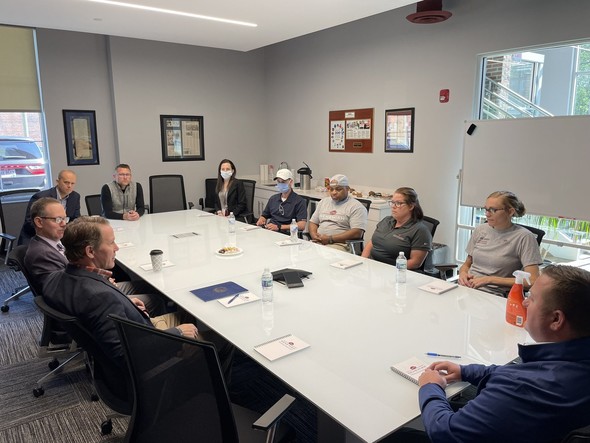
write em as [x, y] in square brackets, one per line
[63, 191]
[283, 207]
[339, 217]
[122, 199]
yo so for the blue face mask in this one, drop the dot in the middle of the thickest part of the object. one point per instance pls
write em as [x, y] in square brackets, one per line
[226, 174]
[282, 187]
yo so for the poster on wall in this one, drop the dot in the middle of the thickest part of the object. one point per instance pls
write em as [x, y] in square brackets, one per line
[351, 130]
[182, 138]
[399, 130]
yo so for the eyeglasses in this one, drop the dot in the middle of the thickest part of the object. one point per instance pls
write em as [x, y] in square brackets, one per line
[57, 219]
[493, 210]
[396, 204]
[281, 209]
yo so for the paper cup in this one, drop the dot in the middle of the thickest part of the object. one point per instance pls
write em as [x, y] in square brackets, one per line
[157, 257]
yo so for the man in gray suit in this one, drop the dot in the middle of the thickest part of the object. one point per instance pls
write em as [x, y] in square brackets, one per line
[45, 253]
[63, 192]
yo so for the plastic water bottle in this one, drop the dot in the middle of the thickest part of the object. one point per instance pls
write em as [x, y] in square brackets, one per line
[231, 220]
[294, 229]
[267, 286]
[401, 263]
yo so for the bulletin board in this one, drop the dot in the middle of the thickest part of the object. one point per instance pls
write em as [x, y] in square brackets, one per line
[351, 131]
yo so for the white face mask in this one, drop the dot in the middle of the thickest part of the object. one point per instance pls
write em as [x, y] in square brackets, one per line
[226, 174]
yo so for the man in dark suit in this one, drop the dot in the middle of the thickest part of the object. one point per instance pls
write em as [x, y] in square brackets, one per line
[45, 253]
[85, 291]
[63, 192]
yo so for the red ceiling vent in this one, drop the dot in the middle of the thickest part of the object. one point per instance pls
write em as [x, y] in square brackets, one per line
[428, 12]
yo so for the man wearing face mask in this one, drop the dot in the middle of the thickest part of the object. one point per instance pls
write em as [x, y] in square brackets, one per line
[283, 207]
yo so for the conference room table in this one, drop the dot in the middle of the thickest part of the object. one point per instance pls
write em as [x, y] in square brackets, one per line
[357, 321]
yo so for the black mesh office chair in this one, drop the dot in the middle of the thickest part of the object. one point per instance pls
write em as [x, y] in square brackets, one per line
[208, 203]
[111, 382]
[54, 339]
[431, 224]
[10, 229]
[539, 233]
[167, 193]
[249, 187]
[180, 394]
[93, 204]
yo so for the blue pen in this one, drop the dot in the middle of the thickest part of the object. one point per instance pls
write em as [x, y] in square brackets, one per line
[233, 298]
[435, 354]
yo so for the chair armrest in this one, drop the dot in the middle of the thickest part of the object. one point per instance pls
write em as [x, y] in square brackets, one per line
[356, 244]
[202, 203]
[247, 216]
[443, 268]
[272, 416]
[191, 205]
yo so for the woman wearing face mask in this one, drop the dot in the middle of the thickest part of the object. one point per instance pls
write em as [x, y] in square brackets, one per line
[230, 195]
[283, 207]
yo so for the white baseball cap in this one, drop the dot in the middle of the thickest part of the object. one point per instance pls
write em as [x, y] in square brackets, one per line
[284, 174]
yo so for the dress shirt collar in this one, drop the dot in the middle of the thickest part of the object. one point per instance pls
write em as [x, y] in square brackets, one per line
[54, 243]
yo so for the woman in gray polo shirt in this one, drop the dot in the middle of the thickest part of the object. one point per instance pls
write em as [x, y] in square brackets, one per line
[499, 247]
[403, 231]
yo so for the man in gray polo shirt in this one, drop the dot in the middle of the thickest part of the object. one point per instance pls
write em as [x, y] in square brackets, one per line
[339, 217]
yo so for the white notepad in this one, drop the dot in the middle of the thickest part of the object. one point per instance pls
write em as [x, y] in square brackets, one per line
[438, 286]
[287, 242]
[410, 369]
[240, 299]
[148, 266]
[280, 347]
[345, 264]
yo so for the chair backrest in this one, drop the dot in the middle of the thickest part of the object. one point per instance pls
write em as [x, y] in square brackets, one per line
[366, 203]
[178, 387]
[538, 232]
[13, 208]
[16, 260]
[210, 184]
[432, 224]
[112, 383]
[250, 187]
[167, 193]
[93, 204]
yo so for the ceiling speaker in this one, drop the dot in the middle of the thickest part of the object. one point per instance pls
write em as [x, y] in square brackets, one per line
[429, 12]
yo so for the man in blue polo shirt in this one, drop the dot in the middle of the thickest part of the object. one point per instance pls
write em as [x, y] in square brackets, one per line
[283, 207]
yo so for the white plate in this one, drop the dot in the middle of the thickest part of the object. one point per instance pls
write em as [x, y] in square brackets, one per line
[229, 254]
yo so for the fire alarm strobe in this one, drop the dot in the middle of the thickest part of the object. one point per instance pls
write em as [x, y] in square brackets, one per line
[443, 96]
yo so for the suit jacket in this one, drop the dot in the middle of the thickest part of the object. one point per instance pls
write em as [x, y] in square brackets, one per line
[41, 260]
[236, 199]
[72, 210]
[90, 298]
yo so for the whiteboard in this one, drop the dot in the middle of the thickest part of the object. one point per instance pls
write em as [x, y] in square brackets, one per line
[545, 161]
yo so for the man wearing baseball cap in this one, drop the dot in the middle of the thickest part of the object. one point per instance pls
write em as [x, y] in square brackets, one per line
[283, 207]
[339, 217]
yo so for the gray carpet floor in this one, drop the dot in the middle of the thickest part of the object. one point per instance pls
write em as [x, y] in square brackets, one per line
[65, 412]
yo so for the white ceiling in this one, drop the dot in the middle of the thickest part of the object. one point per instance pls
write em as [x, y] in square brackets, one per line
[277, 20]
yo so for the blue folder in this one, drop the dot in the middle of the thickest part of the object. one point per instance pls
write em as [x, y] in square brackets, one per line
[220, 290]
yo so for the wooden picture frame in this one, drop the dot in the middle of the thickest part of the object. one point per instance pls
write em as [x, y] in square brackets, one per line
[182, 138]
[399, 130]
[351, 130]
[81, 139]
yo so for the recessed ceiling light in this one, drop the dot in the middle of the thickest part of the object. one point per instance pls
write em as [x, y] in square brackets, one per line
[170, 11]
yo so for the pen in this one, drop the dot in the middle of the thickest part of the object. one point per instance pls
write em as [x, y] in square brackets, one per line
[233, 298]
[435, 354]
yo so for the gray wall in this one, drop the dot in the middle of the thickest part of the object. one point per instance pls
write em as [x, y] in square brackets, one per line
[272, 105]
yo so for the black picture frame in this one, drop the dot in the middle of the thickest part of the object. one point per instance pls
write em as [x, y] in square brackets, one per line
[399, 130]
[182, 138]
[81, 138]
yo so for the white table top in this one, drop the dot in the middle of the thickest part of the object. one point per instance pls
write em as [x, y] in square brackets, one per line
[357, 321]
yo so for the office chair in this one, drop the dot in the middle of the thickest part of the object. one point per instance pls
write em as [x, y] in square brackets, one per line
[54, 339]
[208, 203]
[539, 233]
[250, 187]
[431, 224]
[111, 382]
[9, 232]
[356, 246]
[180, 394]
[93, 204]
[167, 193]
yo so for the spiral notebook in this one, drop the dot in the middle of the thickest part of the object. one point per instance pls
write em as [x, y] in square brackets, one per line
[410, 369]
[280, 347]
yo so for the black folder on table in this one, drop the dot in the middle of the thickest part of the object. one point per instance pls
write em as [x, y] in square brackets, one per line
[292, 278]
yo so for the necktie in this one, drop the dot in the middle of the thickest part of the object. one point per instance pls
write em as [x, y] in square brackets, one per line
[60, 248]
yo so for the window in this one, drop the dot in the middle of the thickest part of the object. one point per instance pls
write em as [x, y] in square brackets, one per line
[24, 159]
[538, 82]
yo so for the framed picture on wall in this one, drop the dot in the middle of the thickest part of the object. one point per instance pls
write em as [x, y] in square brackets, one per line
[182, 138]
[399, 130]
[81, 139]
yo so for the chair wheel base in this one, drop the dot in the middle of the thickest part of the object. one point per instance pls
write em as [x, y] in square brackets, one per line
[106, 427]
[53, 364]
[4, 308]
[38, 392]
